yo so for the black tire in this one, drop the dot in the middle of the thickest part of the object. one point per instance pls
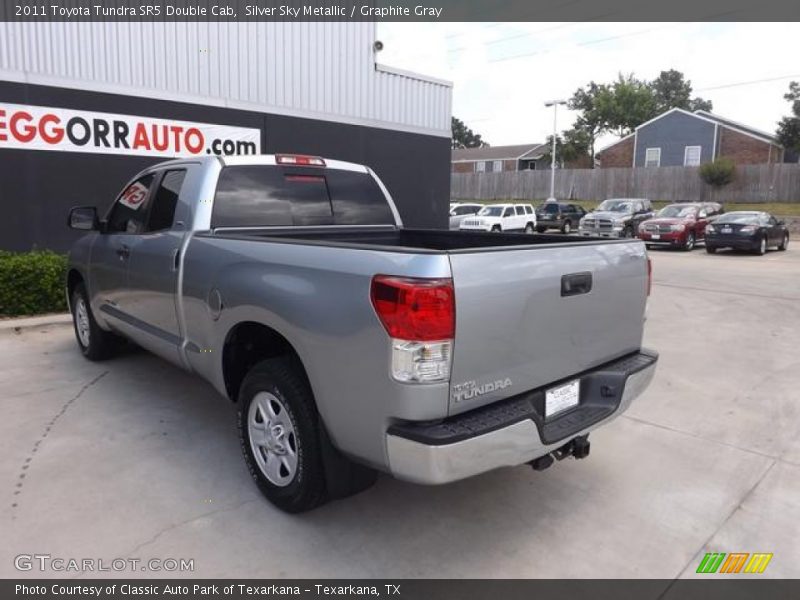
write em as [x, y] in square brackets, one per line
[529, 228]
[711, 249]
[785, 243]
[496, 229]
[95, 343]
[762, 246]
[280, 378]
[541, 229]
[688, 245]
[627, 232]
[566, 227]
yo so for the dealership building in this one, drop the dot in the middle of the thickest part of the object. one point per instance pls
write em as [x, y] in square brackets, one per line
[84, 106]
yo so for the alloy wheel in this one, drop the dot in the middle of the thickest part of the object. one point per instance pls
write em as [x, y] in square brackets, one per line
[273, 439]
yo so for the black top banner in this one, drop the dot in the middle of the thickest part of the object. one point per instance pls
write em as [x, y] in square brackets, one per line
[398, 10]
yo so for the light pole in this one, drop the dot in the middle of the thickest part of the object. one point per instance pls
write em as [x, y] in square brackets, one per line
[554, 104]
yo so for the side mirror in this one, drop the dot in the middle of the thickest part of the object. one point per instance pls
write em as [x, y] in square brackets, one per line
[83, 218]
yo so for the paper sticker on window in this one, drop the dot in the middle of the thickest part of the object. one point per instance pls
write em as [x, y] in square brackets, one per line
[134, 196]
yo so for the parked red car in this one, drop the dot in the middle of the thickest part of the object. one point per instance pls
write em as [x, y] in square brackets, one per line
[679, 225]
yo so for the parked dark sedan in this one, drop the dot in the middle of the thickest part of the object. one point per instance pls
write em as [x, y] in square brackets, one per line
[747, 230]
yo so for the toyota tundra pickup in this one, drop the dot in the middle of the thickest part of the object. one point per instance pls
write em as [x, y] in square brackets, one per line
[351, 344]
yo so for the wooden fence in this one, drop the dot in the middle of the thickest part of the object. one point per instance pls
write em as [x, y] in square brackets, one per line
[753, 183]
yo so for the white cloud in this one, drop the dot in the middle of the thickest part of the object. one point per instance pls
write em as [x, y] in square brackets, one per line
[502, 97]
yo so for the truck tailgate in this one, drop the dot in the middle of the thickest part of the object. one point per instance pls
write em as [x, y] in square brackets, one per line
[524, 319]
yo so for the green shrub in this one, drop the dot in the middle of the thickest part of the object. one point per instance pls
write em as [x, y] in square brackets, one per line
[32, 283]
[718, 173]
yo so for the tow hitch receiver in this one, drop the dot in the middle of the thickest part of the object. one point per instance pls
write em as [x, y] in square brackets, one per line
[577, 448]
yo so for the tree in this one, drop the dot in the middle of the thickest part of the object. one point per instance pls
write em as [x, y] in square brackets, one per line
[463, 136]
[591, 102]
[572, 145]
[631, 103]
[789, 127]
[672, 90]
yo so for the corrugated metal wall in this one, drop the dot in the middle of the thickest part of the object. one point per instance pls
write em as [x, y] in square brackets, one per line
[323, 69]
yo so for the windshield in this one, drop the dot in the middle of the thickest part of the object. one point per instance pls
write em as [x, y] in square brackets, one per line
[550, 208]
[491, 211]
[751, 218]
[619, 206]
[678, 211]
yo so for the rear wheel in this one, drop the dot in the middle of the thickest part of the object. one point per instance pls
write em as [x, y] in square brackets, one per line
[566, 227]
[279, 430]
[627, 232]
[95, 343]
[541, 229]
[529, 228]
[711, 249]
[762, 246]
[785, 243]
[689, 243]
[496, 229]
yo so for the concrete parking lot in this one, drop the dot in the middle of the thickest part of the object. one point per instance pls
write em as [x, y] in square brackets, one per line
[134, 458]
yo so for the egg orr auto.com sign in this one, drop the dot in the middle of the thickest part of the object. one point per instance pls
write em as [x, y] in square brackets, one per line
[25, 127]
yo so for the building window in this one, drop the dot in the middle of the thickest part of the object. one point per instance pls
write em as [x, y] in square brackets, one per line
[532, 166]
[498, 165]
[652, 157]
[691, 156]
[480, 166]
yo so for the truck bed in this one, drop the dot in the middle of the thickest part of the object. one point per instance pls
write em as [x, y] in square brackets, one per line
[418, 240]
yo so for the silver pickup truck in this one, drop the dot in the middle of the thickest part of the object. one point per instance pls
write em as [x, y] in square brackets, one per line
[353, 345]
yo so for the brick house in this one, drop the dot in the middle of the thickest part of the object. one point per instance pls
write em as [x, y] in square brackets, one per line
[681, 138]
[490, 159]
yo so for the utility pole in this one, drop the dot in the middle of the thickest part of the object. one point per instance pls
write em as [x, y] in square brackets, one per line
[554, 104]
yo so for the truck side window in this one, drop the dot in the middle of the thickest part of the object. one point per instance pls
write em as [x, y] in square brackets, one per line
[520, 210]
[509, 212]
[130, 209]
[162, 211]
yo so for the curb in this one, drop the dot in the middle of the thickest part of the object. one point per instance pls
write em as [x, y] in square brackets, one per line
[17, 325]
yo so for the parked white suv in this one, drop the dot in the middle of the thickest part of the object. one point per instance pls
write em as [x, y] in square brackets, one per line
[502, 217]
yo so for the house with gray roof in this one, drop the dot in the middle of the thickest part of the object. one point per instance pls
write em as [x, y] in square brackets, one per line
[489, 159]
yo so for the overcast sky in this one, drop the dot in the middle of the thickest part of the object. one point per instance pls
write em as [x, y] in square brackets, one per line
[504, 72]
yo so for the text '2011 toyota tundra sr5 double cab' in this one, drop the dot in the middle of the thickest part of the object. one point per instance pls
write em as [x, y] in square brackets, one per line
[350, 343]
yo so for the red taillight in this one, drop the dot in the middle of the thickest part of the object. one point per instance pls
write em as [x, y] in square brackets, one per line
[300, 160]
[421, 310]
[649, 275]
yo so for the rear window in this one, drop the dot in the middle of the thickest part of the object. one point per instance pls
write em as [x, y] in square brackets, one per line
[549, 208]
[267, 196]
[740, 217]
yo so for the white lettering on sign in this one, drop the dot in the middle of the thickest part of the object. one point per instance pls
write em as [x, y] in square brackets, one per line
[27, 127]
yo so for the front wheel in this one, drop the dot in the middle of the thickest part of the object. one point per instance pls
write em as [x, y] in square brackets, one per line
[529, 228]
[711, 249]
[95, 343]
[762, 246]
[627, 232]
[279, 430]
[541, 229]
[566, 227]
[785, 243]
[688, 245]
[496, 229]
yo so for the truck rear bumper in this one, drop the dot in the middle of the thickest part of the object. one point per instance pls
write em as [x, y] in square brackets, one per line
[513, 431]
